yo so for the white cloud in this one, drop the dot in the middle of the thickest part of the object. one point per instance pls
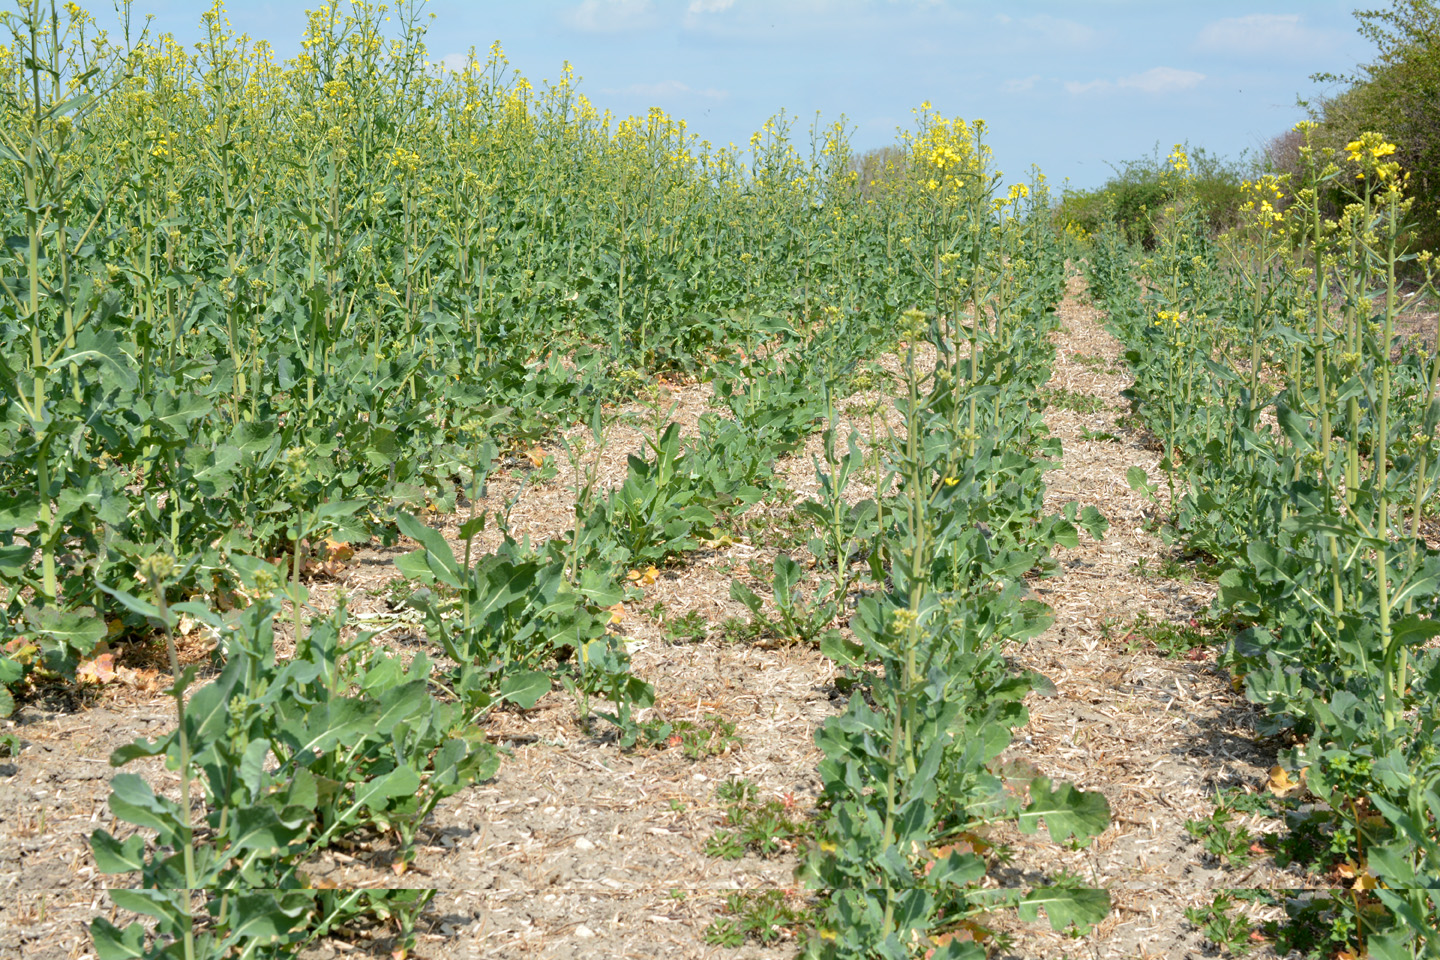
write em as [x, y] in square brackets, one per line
[710, 6]
[669, 90]
[1162, 80]
[1154, 80]
[1021, 85]
[609, 16]
[454, 62]
[1259, 33]
[1056, 31]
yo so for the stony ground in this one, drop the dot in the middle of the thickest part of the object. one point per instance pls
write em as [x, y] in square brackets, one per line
[578, 848]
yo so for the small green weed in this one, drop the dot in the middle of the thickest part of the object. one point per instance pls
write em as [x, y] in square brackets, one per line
[1228, 842]
[765, 916]
[798, 618]
[689, 628]
[1168, 638]
[1100, 436]
[1064, 399]
[1177, 568]
[1093, 361]
[713, 737]
[399, 591]
[740, 630]
[1218, 922]
[787, 532]
[763, 827]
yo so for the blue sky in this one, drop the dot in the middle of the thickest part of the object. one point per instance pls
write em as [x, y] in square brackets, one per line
[1070, 86]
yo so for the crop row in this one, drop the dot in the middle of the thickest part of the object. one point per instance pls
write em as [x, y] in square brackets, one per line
[1298, 427]
[912, 781]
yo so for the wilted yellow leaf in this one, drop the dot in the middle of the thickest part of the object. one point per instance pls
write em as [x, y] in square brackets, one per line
[617, 612]
[99, 670]
[336, 551]
[536, 456]
[644, 578]
[20, 649]
[1280, 783]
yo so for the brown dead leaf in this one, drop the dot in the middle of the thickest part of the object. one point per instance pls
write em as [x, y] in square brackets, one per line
[1281, 783]
[98, 671]
[335, 551]
[644, 577]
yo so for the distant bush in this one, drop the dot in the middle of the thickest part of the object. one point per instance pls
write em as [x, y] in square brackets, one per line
[874, 168]
[1134, 199]
[1398, 95]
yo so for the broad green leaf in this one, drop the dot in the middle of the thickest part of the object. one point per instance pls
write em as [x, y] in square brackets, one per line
[399, 703]
[438, 553]
[134, 604]
[1414, 630]
[1067, 812]
[413, 566]
[524, 688]
[170, 907]
[19, 510]
[957, 949]
[1064, 906]
[14, 560]
[400, 782]
[473, 526]
[264, 917]
[103, 348]
[252, 766]
[207, 715]
[1393, 945]
[842, 651]
[140, 749]
[957, 868]
[258, 828]
[78, 630]
[112, 943]
[112, 856]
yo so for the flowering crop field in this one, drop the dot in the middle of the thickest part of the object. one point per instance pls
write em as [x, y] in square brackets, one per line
[378, 436]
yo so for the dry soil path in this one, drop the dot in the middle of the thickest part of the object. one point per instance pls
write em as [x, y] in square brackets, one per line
[1157, 734]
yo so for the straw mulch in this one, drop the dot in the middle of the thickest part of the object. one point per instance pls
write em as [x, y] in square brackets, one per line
[1157, 735]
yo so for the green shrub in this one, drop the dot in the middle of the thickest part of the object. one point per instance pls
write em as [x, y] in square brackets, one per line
[1396, 95]
[1135, 197]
